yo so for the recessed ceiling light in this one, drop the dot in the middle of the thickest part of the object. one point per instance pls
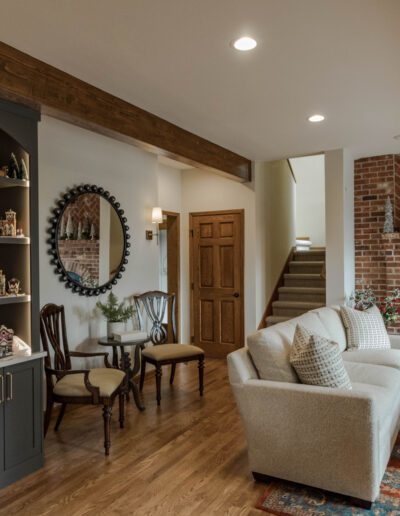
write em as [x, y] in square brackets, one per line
[316, 118]
[245, 44]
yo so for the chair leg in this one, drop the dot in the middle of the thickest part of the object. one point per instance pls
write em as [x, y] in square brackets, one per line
[142, 373]
[107, 420]
[60, 416]
[201, 375]
[158, 383]
[47, 417]
[121, 410]
[171, 378]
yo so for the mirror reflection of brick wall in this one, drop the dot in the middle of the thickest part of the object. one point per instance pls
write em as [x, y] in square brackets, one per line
[377, 257]
[81, 255]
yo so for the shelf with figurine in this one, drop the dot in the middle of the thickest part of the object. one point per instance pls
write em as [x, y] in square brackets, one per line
[9, 233]
[10, 291]
[15, 171]
[11, 344]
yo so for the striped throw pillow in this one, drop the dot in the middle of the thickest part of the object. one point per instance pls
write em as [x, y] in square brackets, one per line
[365, 329]
[318, 361]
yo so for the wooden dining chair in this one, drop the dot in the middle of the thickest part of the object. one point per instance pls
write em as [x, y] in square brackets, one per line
[65, 385]
[156, 304]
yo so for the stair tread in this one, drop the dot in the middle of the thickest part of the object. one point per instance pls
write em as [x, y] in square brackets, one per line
[310, 251]
[299, 275]
[297, 304]
[303, 290]
[275, 319]
[309, 263]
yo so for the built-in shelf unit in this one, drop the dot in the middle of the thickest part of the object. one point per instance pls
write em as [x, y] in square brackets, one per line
[21, 434]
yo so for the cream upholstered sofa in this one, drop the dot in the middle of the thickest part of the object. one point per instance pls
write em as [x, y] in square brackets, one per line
[333, 439]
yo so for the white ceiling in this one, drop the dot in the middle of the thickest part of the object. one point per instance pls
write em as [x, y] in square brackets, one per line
[172, 57]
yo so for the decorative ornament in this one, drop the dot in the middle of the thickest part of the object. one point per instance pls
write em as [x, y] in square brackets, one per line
[79, 234]
[13, 286]
[13, 168]
[92, 232]
[69, 231]
[86, 229]
[24, 171]
[61, 235]
[389, 226]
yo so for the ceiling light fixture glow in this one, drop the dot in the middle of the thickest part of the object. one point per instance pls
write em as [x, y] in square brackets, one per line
[245, 43]
[316, 118]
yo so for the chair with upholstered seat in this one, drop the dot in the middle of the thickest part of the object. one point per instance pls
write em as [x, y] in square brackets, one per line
[156, 304]
[65, 385]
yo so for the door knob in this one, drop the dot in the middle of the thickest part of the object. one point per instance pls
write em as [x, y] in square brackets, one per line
[236, 294]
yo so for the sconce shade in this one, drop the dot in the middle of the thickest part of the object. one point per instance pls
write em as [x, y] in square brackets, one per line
[156, 215]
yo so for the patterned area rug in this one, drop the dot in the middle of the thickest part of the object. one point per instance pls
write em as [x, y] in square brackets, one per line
[287, 499]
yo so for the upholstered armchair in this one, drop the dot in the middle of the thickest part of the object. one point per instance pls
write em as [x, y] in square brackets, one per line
[65, 385]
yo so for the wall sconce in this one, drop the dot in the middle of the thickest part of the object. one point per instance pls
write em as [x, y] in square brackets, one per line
[156, 218]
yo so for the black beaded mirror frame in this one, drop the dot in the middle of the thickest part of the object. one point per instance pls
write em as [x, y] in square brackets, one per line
[55, 221]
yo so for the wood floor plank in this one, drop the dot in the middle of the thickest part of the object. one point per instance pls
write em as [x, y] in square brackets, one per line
[187, 457]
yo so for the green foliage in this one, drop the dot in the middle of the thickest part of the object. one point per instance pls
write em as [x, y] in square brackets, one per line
[114, 311]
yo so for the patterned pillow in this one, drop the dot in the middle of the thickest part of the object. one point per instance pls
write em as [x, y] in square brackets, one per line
[318, 361]
[365, 330]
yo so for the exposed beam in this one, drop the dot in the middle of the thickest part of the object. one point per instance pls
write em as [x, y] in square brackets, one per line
[34, 83]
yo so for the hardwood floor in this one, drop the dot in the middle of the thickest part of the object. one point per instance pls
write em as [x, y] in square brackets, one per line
[187, 457]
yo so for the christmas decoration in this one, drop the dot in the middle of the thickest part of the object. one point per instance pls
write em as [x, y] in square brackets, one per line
[70, 228]
[388, 227]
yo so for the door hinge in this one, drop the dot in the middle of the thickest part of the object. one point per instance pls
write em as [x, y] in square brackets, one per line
[192, 286]
[191, 232]
[192, 339]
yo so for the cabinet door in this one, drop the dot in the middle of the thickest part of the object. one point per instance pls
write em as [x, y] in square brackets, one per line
[2, 399]
[22, 413]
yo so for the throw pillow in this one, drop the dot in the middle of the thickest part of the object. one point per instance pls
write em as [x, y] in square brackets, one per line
[365, 330]
[318, 361]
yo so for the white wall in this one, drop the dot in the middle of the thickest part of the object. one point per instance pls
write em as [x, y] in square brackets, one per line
[205, 191]
[69, 156]
[339, 184]
[275, 226]
[309, 172]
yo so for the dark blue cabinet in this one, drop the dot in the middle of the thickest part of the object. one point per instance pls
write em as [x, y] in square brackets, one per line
[21, 428]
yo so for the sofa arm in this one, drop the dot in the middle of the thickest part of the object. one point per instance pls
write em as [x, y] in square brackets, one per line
[326, 438]
[394, 341]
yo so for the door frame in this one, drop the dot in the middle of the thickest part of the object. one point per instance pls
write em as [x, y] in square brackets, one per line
[177, 271]
[240, 212]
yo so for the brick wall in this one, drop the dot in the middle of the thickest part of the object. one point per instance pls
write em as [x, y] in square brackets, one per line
[81, 257]
[377, 255]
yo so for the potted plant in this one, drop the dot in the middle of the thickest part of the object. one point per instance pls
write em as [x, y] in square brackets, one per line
[116, 314]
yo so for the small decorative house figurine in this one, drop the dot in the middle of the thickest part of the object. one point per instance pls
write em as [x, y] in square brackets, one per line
[8, 226]
[6, 341]
[11, 221]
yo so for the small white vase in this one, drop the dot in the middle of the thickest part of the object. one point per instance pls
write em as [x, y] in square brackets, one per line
[114, 327]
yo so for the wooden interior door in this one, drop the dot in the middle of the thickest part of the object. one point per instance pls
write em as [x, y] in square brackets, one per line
[217, 269]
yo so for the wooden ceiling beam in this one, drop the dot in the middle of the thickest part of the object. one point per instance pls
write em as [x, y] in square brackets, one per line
[32, 82]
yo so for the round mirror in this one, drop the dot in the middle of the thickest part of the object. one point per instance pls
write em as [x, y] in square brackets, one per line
[89, 240]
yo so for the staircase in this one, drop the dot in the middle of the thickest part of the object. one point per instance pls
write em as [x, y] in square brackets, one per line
[303, 286]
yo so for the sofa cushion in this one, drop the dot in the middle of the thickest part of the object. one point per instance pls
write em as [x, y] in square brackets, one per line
[365, 330]
[384, 357]
[270, 348]
[332, 321]
[318, 361]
